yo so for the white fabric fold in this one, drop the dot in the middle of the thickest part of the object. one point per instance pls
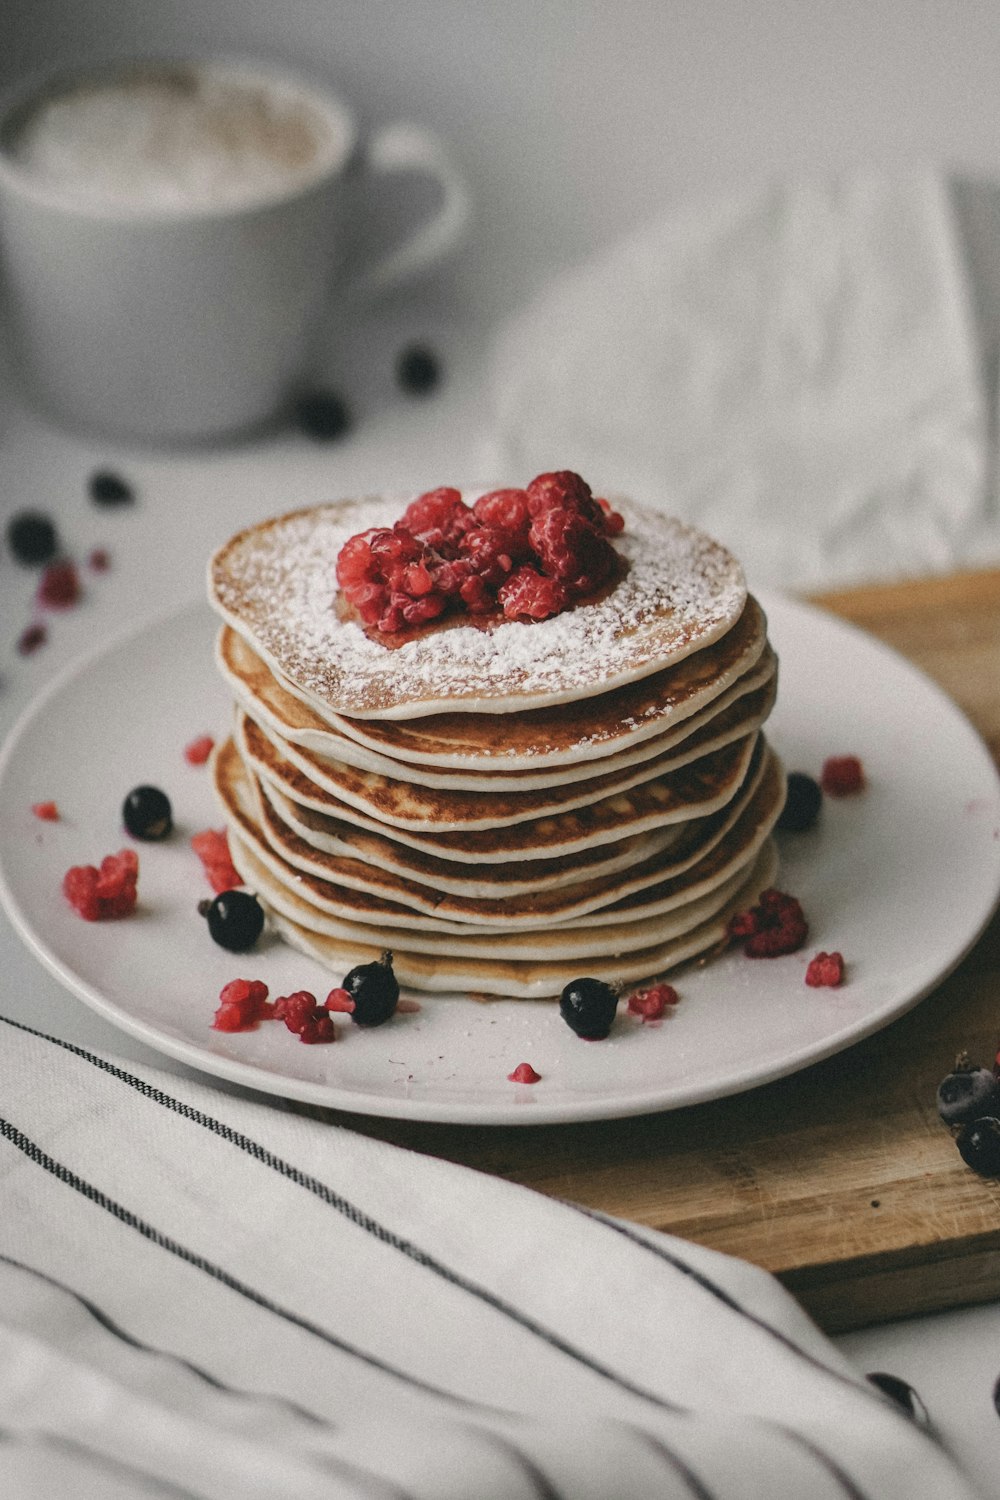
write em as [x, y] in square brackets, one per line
[790, 365]
[205, 1296]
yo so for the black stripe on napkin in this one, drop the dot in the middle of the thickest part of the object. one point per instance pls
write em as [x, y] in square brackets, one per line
[151, 1483]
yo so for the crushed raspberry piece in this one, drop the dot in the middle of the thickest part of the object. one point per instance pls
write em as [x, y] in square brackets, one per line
[524, 1073]
[527, 595]
[60, 586]
[102, 894]
[826, 969]
[523, 554]
[212, 848]
[301, 1013]
[776, 925]
[340, 1000]
[99, 560]
[31, 638]
[842, 776]
[651, 1003]
[47, 811]
[197, 752]
[242, 1004]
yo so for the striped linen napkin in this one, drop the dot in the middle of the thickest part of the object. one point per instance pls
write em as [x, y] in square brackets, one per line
[205, 1296]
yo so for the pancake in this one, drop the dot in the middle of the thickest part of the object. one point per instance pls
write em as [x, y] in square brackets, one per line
[275, 584]
[537, 979]
[538, 748]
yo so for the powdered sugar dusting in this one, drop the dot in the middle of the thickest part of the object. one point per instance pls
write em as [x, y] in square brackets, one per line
[276, 584]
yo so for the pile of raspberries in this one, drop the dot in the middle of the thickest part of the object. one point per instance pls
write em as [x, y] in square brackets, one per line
[517, 554]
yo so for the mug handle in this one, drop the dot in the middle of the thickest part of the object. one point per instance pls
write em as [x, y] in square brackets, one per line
[407, 148]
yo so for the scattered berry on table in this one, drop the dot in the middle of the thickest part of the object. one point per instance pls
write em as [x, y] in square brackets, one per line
[979, 1145]
[842, 776]
[651, 1003]
[108, 488]
[242, 1004]
[825, 970]
[31, 637]
[196, 752]
[322, 415]
[235, 920]
[102, 894]
[374, 989]
[32, 538]
[967, 1092]
[59, 587]
[47, 811]
[212, 847]
[588, 1007]
[339, 1000]
[776, 925]
[99, 560]
[147, 814]
[418, 369]
[524, 1073]
[803, 803]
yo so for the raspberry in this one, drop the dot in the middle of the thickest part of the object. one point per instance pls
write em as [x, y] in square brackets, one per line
[60, 586]
[651, 1003]
[99, 560]
[505, 510]
[776, 925]
[842, 776]
[301, 1014]
[477, 596]
[340, 1000]
[47, 811]
[242, 1003]
[102, 894]
[562, 490]
[438, 517]
[524, 1073]
[492, 553]
[571, 548]
[31, 638]
[197, 752]
[614, 524]
[825, 969]
[212, 848]
[527, 595]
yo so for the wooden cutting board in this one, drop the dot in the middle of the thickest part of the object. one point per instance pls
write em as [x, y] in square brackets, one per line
[841, 1180]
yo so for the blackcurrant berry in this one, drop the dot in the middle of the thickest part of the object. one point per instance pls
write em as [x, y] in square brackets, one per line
[967, 1093]
[31, 537]
[235, 920]
[374, 989]
[418, 370]
[106, 488]
[979, 1145]
[322, 415]
[147, 814]
[802, 804]
[588, 1007]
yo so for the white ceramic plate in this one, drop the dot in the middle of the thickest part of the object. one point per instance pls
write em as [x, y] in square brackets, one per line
[901, 879]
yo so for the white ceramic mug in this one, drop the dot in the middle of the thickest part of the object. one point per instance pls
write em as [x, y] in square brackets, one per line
[179, 300]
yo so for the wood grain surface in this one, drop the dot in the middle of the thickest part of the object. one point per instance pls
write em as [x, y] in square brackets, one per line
[840, 1179]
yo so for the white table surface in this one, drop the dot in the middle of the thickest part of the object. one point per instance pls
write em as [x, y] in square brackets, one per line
[573, 122]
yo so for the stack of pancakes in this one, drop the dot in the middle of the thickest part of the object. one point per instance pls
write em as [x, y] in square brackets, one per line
[506, 807]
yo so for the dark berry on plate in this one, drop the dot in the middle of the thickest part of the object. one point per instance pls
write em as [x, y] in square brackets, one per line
[418, 369]
[588, 1007]
[108, 488]
[235, 920]
[147, 814]
[903, 1394]
[322, 415]
[802, 804]
[979, 1145]
[31, 537]
[374, 989]
[967, 1093]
